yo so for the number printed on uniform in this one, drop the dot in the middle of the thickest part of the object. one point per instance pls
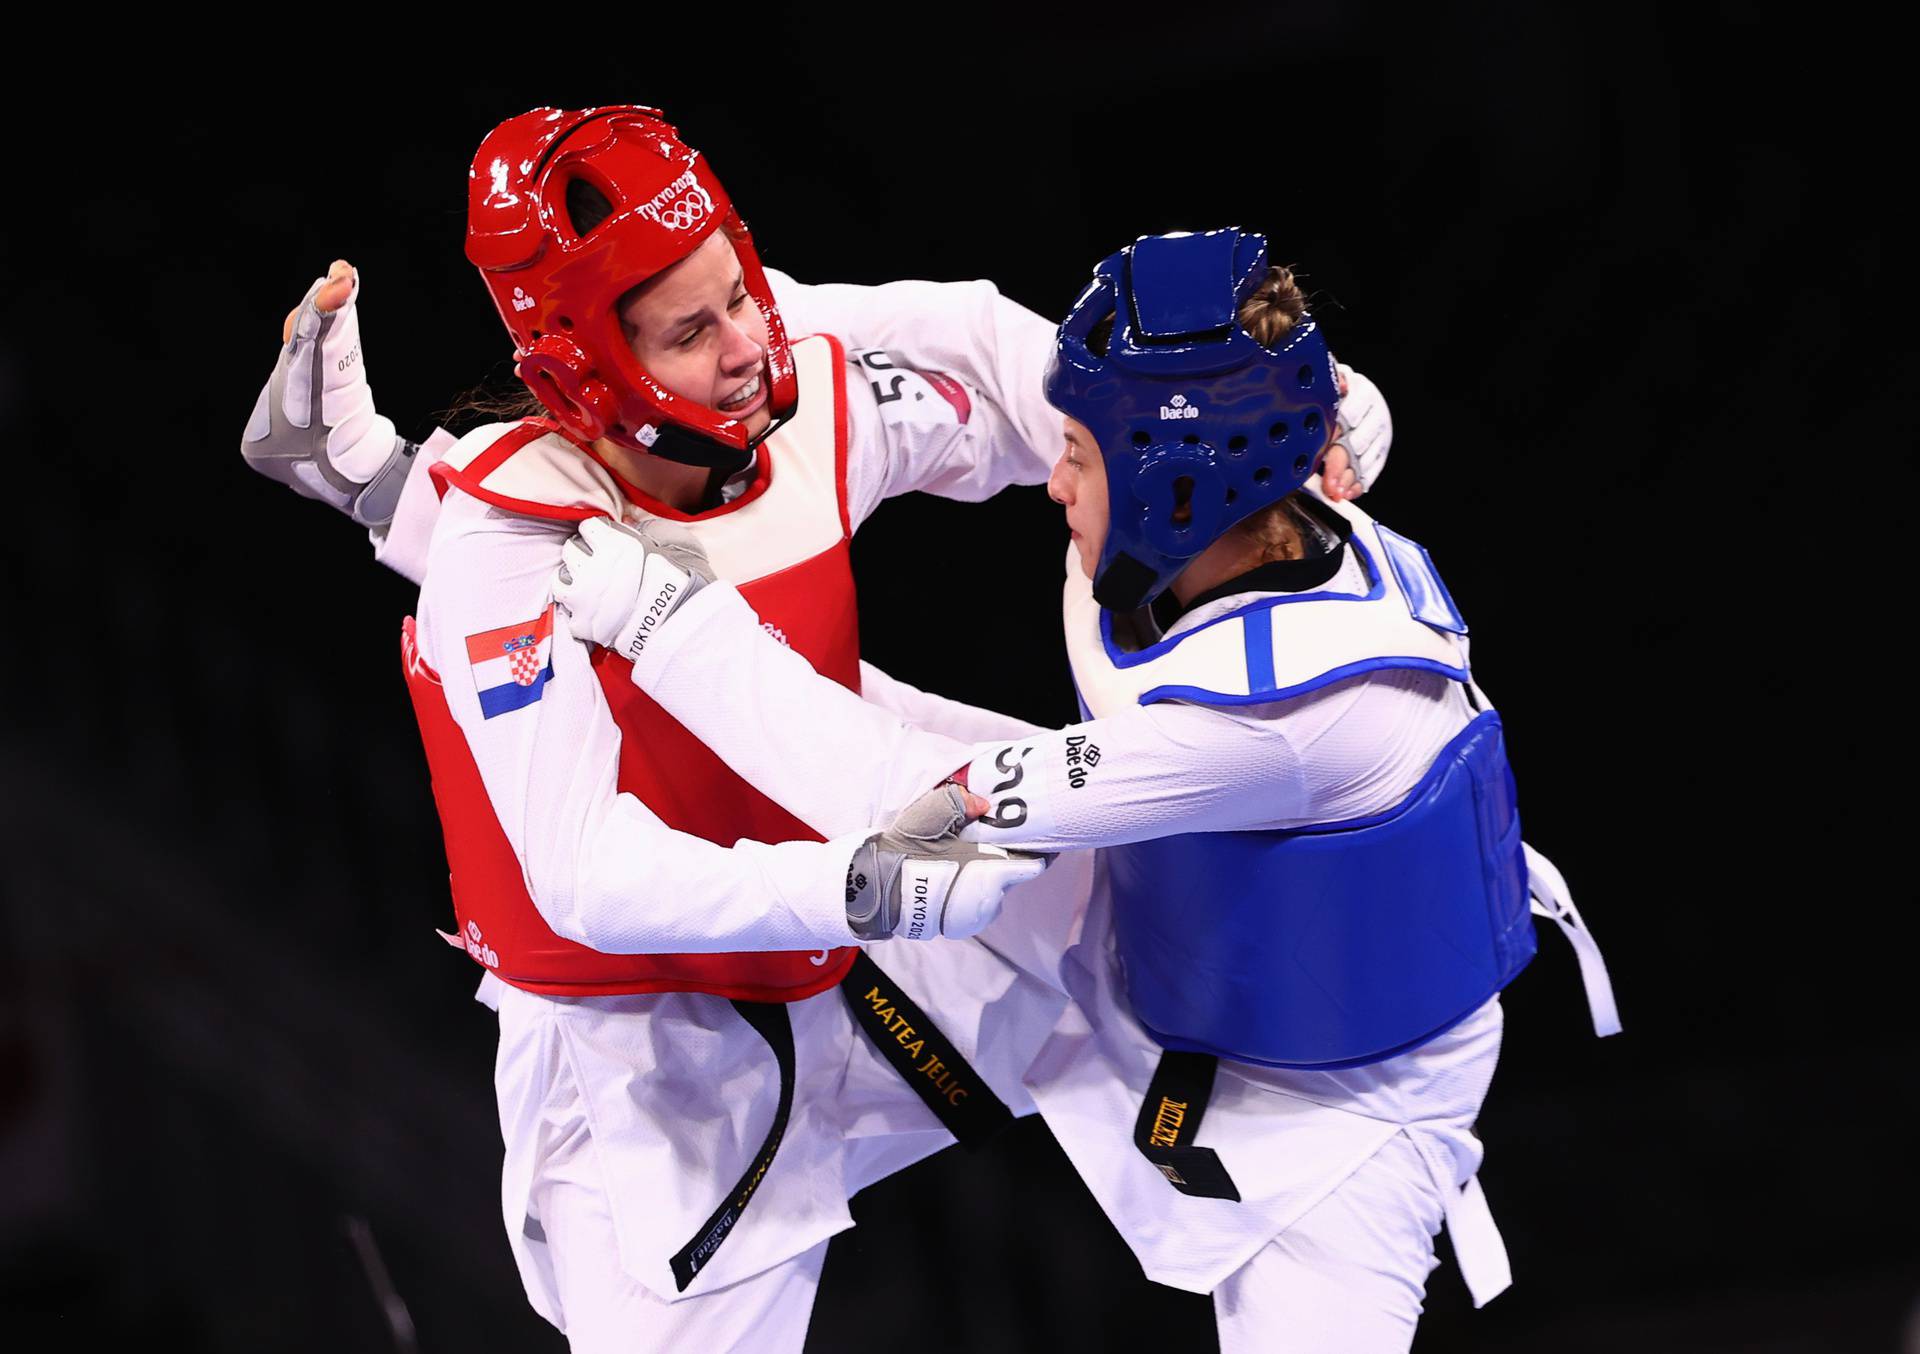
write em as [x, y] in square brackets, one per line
[1012, 810]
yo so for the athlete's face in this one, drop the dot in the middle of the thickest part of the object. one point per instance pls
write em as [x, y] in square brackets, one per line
[698, 333]
[1079, 484]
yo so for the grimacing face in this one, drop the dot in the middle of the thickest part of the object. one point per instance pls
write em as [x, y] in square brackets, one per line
[698, 333]
[1079, 484]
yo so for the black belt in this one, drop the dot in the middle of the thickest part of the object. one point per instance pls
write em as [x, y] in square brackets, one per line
[1169, 1120]
[958, 1096]
[906, 1038]
[772, 1023]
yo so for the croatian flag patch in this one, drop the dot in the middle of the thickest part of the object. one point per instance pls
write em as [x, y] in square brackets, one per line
[512, 665]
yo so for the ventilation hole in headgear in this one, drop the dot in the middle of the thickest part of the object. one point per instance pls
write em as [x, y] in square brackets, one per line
[536, 335]
[1277, 433]
[1237, 445]
[564, 323]
[1232, 494]
[1100, 337]
[1311, 423]
[1142, 437]
[1305, 375]
[1183, 500]
[1300, 465]
[586, 205]
[1191, 440]
[1262, 475]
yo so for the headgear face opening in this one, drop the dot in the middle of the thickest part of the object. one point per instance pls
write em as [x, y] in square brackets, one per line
[556, 289]
[1199, 424]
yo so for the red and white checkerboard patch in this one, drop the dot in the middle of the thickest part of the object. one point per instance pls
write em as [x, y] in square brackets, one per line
[512, 664]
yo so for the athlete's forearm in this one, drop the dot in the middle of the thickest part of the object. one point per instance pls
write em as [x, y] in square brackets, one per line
[936, 713]
[819, 751]
[1152, 772]
[401, 544]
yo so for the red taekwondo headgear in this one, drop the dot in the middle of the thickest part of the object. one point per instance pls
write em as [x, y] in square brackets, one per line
[557, 289]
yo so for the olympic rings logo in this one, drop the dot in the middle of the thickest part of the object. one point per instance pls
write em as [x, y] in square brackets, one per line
[688, 212]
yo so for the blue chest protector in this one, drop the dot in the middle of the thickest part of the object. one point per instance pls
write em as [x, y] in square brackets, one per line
[1339, 944]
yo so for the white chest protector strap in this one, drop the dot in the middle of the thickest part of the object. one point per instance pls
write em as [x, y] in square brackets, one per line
[1552, 898]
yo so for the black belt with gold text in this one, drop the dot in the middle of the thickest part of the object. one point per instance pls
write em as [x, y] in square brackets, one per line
[1169, 1120]
[903, 1035]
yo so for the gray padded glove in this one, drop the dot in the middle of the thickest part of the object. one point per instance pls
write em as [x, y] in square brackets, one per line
[918, 880]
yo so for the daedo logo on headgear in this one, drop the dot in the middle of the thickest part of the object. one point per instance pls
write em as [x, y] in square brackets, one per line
[1177, 407]
[688, 212]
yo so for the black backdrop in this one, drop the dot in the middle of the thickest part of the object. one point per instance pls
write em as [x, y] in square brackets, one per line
[1623, 278]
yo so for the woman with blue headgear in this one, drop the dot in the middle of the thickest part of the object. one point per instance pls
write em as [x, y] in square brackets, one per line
[1310, 883]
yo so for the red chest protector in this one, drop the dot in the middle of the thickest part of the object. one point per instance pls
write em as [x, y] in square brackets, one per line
[784, 545]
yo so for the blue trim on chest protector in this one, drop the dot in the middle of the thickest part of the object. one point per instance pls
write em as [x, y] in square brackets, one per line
[1133, 658]
[1336, 945]
[1426, 598]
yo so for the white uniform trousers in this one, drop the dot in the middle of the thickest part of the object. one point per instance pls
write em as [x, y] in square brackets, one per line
[595, 1302]
[1350, 1275]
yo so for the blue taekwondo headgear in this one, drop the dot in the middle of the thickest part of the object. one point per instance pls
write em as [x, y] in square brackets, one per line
[1190, 410]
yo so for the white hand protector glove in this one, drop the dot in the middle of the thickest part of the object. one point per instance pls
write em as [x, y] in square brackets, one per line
[314, 426]
[918, 880]
[1365, 426]
[620, 582]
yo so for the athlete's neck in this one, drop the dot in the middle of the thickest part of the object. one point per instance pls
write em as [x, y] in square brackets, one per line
[682, 487]
[1229, 557]
[1310, 559]
[1282, 539]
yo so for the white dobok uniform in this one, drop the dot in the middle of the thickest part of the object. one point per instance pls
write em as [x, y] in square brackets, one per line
[627, 1118]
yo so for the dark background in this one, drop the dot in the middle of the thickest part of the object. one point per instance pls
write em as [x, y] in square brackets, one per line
[1624, 279]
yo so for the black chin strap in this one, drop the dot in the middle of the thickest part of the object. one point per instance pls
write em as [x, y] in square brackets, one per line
[714, 493]
[690, 448]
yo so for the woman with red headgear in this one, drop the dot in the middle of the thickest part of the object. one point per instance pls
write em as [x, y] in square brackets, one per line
[686, 1103]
